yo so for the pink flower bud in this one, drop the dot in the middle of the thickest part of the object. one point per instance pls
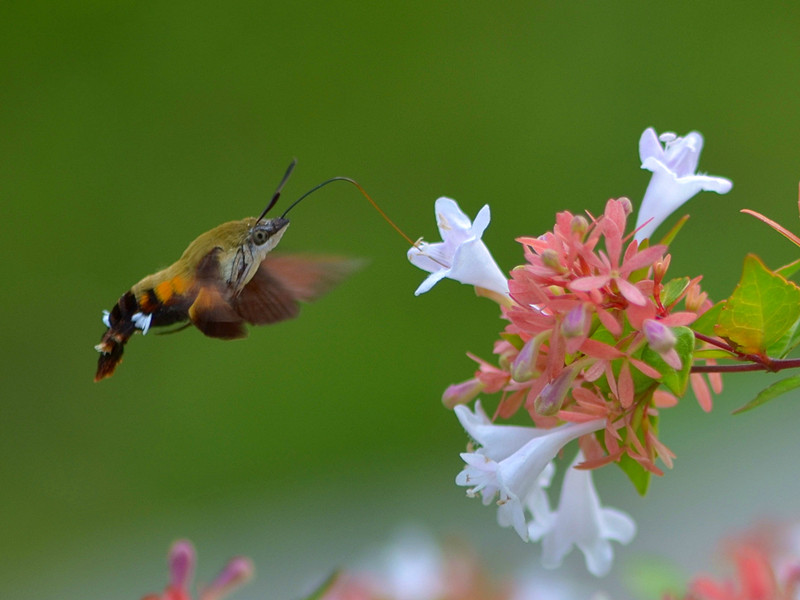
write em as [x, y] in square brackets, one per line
[551, 259]
[574, 323]
[579, 225]
[554, 393]
[523, 368]
[696, 299]
[461, 393]
[181, 564]
[238, 571]
[659, 337]
[627, 207]
[660, 267]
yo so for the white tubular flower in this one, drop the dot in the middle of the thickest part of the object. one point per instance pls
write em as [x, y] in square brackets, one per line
[497, 441]
[507, 464]
[674, 178]
[411, 568]
[509, 516]
[580, 520]
[461, 255]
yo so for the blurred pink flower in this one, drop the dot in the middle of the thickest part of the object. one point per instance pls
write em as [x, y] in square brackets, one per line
[181, 567]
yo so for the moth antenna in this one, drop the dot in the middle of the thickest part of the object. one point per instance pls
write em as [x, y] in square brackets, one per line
[363, 192]
[277, 193]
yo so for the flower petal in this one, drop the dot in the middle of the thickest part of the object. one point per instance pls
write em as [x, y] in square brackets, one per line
[581, 521]
[630, 291]
[674, 179]
[497, 441]
[473, 264]
[431, 257]
[453, 222]
[461, 255]
[431, 280]
[481, 222]
[649, 146]
[587, 284]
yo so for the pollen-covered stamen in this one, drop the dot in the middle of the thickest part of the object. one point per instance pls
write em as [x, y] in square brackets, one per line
[142, 321]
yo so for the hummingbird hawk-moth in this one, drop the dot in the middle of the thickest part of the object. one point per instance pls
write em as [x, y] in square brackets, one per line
[225, 278]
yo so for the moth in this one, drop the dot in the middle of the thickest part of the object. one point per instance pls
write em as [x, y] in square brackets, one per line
[225, 278]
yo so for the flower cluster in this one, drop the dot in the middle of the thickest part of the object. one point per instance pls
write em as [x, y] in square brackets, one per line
[414, 567]
[182, 562]
[596, 342]
[767, 565]
[591, 334]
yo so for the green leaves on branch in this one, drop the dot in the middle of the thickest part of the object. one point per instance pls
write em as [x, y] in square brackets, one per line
[675, 381]
[761, 319]
[762, 314]
[673, 289]
[324, 587]
[639, 476]
[776, 389]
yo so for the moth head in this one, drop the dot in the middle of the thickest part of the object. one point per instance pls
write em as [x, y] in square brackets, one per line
[264, 235]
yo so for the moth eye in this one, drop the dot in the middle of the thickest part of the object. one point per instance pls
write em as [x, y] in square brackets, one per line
[260, 236]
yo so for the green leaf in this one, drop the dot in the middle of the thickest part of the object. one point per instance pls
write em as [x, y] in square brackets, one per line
[673, 289]
[706, 322]
[647, 577]
[324, 587]
[762, 309]
[787, 343]
[513, 339]
[672, 233]
[790, 269]
[715, 353]
[639, 476]
[776, 389]
[676, 381]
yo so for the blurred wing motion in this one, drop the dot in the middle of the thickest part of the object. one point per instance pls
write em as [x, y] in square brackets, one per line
[283, 281]
[273, 294]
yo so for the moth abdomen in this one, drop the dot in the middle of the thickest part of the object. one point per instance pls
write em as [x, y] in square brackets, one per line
[154, 307]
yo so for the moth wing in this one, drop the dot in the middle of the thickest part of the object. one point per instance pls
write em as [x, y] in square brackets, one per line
[309, 276]
[265, 300]
[284, 280]
[211, 312]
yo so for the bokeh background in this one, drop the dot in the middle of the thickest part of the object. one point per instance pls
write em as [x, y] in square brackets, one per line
[126, 129]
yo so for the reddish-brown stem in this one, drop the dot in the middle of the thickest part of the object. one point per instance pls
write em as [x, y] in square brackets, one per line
[754, 361]
[713, 341]
[772, 366]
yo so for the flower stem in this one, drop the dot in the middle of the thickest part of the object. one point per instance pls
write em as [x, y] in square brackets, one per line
[756, 362]
[773, 366]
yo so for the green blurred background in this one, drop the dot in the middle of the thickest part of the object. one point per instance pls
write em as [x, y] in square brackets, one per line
[126, 129]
